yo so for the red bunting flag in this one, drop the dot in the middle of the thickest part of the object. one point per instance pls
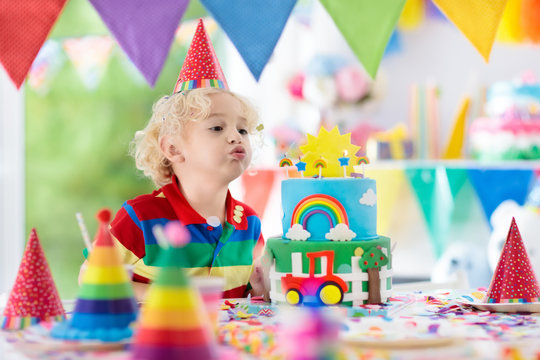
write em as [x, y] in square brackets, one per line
[24, 26]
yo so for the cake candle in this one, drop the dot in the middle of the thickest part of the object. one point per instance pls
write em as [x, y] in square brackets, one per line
[285, 162]
[363, 160]
[301, 167]
[320, 164]
[344, 162]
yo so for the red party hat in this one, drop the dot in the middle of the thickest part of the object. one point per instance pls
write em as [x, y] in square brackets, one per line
[201, 67]
[514, 280]
[34, 296]
[103, 235]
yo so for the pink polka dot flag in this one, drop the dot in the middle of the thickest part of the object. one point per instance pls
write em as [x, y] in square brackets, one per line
[514, 280]
[34, 296]
[201, 67]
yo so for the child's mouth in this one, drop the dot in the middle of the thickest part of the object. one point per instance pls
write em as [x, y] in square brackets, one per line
[238, 153]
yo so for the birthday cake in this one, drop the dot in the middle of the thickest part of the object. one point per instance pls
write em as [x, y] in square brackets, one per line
[329, 252]
[510, 129]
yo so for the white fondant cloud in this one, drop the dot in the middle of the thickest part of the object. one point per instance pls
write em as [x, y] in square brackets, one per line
[297, 232]
[340, 233]
[369, 198]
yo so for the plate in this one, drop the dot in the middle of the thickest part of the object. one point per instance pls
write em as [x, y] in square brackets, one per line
[505, 307]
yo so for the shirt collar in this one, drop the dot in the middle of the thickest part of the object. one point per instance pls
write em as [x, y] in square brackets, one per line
[187, 215]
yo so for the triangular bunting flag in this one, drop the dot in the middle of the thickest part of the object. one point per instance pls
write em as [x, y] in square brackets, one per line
[105, 305]
[514, 280]
[367, 26]
[454, 147]
[254, 27]
[34, 297]
[24, 26]
[493, 186]
[144, 29]
[90, 57]
[173, 322]
[46, 66]
[478, 20]
[530, 10]
[436, 203]
[511, 28]
[456, 179]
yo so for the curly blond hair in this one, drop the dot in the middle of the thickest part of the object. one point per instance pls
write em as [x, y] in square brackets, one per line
[170, 114]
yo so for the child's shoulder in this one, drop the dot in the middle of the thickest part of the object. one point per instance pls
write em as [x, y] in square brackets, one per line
[150, 205]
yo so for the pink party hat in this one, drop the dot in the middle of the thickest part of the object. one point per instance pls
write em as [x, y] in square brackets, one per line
[513, 280]
[34, 297]
[201, 67]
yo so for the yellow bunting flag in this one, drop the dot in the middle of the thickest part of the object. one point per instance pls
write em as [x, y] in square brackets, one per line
[454, 148]
[511, 29]
[367, 26]
[391, 188]
[412, 15]
[478, 20]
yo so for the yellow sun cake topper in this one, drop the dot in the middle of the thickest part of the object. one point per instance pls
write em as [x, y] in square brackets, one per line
[329, 146]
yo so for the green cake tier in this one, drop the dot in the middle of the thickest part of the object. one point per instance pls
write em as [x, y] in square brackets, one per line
[352, 261]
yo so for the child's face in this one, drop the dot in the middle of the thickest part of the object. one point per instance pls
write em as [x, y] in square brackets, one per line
[219, 146]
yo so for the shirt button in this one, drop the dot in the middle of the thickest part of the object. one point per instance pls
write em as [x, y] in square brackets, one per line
[209, 228]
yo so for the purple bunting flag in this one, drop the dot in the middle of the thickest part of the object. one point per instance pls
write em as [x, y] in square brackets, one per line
[144, 29]
[254, 27]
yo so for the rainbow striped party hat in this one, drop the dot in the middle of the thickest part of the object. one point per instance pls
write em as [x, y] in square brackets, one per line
[34, 296]
[173, 322]
[201, 67]
[105, 305]
[514, 280]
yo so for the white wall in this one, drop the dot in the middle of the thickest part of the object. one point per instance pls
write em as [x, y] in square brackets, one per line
[12, 236]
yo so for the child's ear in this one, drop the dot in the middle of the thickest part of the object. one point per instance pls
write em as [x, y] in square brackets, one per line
[170, 150]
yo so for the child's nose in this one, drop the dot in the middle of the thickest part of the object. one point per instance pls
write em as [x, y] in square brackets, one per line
[234, 137]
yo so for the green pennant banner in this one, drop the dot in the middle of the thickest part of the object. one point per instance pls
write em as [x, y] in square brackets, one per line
[433, 193]
[456, 180]
[367, 26]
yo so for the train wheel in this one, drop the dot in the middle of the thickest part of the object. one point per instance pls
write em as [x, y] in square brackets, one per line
[330, 293]
[293, 297]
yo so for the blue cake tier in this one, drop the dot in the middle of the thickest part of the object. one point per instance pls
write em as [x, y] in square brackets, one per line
[319, 205]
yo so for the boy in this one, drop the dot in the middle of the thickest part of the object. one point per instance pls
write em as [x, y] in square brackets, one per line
[195, 144]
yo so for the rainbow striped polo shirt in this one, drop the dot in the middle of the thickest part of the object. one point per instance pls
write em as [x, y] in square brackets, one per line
[226, 251]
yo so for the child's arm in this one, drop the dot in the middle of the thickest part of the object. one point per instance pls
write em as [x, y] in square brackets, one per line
[260, 278]
[141, 290]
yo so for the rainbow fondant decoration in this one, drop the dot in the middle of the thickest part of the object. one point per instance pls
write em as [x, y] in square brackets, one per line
[173, 324]
[105, 305]
[323, 204]
[320, 163]
[362, 160]
[285, 162]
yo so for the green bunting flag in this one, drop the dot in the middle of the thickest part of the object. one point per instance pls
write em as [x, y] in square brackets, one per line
[367, 26]
[433, 194]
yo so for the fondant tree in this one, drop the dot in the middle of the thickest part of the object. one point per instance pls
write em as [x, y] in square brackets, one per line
[372, 261]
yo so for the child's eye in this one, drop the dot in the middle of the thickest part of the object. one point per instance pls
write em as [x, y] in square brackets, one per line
[216, 128]
[243, 131]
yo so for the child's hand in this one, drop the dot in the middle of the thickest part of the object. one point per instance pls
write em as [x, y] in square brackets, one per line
[81, 271]
[259, 281]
